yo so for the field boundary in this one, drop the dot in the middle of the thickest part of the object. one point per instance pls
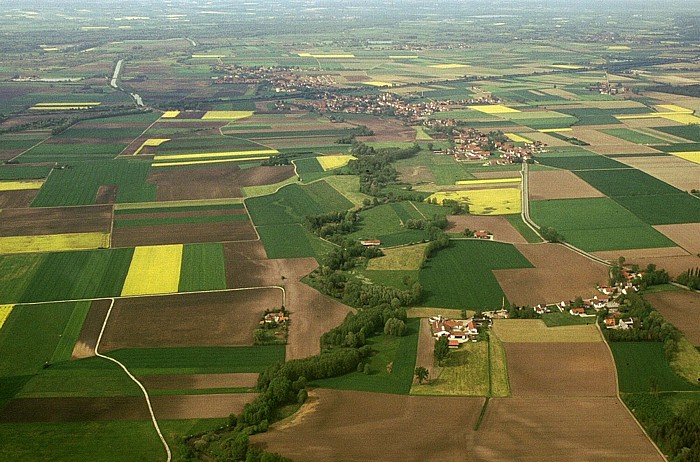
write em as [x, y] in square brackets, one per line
[134, 379]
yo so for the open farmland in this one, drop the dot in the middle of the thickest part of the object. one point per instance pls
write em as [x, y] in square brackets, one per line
[55, 220]
[559, 184]
[499, 201]
[223, 319]
[681, 308]
[596, 224]
[144, 278]
[551, 281]
[331, 421]
[462, 275]
[501, 228]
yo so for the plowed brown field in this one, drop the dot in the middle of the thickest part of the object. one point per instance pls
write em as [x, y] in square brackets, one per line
[682, 309]
[130, 236]
[17, 199]
[55, 220]
[559, 184]
[559, 274]
[198, 319]
[498, 225]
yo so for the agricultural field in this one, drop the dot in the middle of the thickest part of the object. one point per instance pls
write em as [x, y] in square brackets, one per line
[462, 275]
[154, 195]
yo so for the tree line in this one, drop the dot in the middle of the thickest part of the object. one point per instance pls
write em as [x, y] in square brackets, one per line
[690, 278]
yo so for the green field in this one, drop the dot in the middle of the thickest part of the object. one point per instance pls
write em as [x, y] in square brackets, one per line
[638, 363]
[202, 268]
[384, 222]
[524, 230]
[67, 152]
[125, 440]
[292, 203]
[689, 132]
[78, 184]
[16, 273]
[199, 360]
[291, 241]
[399, 351]
[24, 172]
[594, 162]
[93, 274]
[633, 136]
[597, 224]
[626, 182]
[663, 209]
[461, 275]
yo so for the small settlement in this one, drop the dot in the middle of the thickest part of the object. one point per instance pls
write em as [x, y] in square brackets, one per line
[457, 331]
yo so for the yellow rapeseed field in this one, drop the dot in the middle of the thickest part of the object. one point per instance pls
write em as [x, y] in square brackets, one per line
[68, 104]
[448, 66]
[553, 130]
[151, 142]
[378, 83]
[154, 269]
[63, 106]
[170, 114]
[493, 109]
[567, 66]
[20, 185]
[211, 161]
[208, 56]
[326, 56]
[500, 201]
[674, 108]
[692, 156]
[207, 155]
[518, 138]
[331, 162]
[618, 47]
[403, 57]
[489, 181]
[53, 242]
[682, 118]
[226, 115]
[5, 311]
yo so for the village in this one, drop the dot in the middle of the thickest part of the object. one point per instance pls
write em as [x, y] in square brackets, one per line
[459, 331]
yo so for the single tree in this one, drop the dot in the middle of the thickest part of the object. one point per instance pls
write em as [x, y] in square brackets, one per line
[421, 374]
[442, 349]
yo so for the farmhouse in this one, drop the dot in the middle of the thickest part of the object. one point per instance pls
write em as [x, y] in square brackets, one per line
[275, 317]
[371, 242]
[459, 331]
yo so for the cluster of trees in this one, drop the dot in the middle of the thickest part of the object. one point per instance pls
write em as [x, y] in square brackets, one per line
[651, 276]
[279, 159]
[456, 207]
[357, 327]
[329, 225]
[690, 278]
[652, 327]
[358, 131]
[278, 386]
[347, 256]
[374, 166]
[551, 235]
[522, 312]
[437, 222]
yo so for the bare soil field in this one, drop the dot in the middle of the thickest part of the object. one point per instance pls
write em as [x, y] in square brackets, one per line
[559, 274]
[256, 273]
[498, 225]
[199, 381]
[85, 346]
[536, 331]
[312, 312]
[419, 428]
[682, 309]
[390, 427]
[251, 250]
[106, 194]
[559, 184]
[123, 408]
[560, 369]
[537, 429]
[386, 130]
[419, 174]
[215, 182]
[603, 143]
[130, 236]
[549, 140]
[686, 235]
[426, 344]
[17, 199]
[198, 319]
[188, 214]
[675, 171]
[55, 220]
[674, 264]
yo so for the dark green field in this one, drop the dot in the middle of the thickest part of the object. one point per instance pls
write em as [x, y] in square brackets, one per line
[203, 267]
[640, 363]
[594, 162]
[292, 203]
[291, 241]
[461, 275]
[597, 224]
[626, 182]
